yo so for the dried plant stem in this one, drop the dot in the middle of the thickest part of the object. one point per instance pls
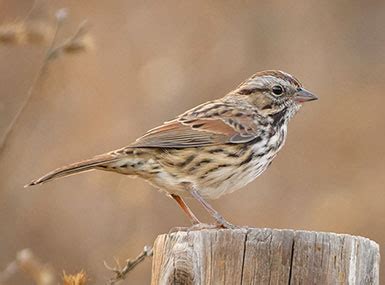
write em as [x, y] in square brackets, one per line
[73, 43]
[29, 13]
[121, 273]
[38, 76]
[75, 279]
[55, 51]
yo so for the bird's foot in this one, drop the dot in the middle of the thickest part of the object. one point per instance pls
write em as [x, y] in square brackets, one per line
[177, 229]
[222, 223]
[194, 227]
[202, 226]
[226, 225]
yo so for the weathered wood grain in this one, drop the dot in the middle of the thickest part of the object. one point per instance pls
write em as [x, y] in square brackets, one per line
[264, 256]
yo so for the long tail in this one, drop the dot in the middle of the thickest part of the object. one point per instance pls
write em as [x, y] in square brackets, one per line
[75, 168]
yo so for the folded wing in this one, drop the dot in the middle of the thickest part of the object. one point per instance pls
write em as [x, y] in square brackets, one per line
[199, 131]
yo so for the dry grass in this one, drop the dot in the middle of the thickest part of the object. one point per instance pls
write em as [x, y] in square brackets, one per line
[75, 279]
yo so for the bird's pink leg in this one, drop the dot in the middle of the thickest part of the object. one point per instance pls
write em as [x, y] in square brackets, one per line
[194, 220]
[221, 221]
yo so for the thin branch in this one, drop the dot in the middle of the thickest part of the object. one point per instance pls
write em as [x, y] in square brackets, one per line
[31, 10]
[39, 74]
[80, 32]
[121, 273]
[52, 52]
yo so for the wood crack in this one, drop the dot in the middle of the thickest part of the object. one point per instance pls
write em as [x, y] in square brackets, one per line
[244, 256]
[291, 261]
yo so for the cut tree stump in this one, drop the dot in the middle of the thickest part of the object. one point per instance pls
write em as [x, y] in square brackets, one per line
[264, 256]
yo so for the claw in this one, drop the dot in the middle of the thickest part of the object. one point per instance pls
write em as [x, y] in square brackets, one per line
[177, 229]
[227, 225]
[201, 226]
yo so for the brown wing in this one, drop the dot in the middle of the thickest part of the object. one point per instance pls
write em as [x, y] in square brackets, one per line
[182, 133]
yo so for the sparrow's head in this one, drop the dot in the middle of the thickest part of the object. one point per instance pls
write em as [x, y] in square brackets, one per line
[273, 91]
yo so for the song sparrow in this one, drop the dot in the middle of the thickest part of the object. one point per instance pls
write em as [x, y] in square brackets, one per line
[212, 149]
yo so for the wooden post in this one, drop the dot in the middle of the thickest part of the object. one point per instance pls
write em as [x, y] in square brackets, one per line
[264, 256]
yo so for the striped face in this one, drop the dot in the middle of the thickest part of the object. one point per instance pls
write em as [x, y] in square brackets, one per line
[272, 91]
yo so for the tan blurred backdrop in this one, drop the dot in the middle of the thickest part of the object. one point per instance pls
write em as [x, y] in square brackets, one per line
[154, 59]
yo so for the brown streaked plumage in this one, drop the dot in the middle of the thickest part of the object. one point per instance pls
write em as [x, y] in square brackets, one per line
[212, 149]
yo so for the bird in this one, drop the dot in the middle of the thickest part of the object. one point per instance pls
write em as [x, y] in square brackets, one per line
[212, 149]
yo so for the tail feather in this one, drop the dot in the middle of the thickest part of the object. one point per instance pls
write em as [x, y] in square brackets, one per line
[75, 168]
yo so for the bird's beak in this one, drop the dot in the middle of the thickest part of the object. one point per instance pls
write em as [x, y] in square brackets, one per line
[302, 95]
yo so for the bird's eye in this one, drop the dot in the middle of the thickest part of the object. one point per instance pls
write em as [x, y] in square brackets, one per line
[277, 90]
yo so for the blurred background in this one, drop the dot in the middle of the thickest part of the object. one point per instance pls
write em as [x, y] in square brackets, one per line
[139, 63]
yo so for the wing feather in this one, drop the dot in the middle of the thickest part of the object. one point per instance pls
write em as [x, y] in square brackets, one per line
[195, 130]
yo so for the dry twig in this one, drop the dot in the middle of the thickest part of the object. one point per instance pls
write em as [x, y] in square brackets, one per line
[121, 273]
[78, 42]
